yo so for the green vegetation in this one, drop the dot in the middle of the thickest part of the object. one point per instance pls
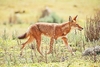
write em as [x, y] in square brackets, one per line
[10, 50]
[51, 18]
[29, 12]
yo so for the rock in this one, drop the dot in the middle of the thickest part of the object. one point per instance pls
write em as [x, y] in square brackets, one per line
[91, 51]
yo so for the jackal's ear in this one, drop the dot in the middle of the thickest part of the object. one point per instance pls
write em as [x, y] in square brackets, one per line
[70, 18]
[75, 17]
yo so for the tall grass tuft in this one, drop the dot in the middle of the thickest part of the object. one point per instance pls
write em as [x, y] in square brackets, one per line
[14, 35]
[4, 36]
[92, 29]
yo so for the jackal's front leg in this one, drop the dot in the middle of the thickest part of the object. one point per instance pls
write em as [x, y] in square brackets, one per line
[68, 46]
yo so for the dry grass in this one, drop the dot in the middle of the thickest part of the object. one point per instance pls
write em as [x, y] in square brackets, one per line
[92, 30]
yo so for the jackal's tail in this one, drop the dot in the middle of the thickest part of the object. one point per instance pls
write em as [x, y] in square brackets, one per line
[25, 35]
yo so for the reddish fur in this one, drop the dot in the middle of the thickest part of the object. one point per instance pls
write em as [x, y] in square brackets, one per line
[52, 30]
[22, 36]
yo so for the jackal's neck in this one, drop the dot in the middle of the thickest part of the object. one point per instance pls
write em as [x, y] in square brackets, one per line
[66, 25]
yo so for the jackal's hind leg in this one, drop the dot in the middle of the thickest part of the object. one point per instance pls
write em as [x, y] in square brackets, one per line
[38, 40]
[51, 45]
[27, 42]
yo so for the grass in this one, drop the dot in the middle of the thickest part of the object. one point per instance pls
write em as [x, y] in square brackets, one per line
[10, 45]
[62, 64]
[10, 51]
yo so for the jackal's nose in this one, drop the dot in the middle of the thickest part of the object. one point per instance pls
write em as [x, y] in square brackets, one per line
[81, 29]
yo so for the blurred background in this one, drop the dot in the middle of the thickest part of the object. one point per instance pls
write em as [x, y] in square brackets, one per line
[30, 10]
[17, 15]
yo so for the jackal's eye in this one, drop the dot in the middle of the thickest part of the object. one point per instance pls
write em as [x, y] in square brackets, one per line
[76, 25]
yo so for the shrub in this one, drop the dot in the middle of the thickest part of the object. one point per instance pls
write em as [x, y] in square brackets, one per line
[92, 29]
[51, 18]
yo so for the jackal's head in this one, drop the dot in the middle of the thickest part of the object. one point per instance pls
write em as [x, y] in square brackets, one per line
[73, 23]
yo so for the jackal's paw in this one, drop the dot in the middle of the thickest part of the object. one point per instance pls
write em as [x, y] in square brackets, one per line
[73, 53]
[21, 53]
